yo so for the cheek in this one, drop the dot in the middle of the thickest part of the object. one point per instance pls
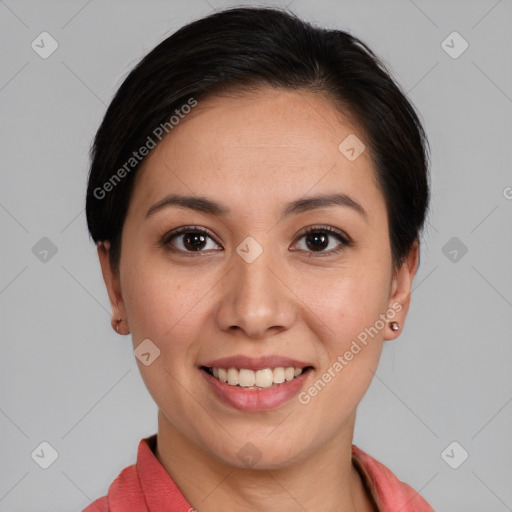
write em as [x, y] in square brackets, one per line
[147, 285]
[160, 307]
[345, 303]
[150, 296]
[347, 308]
[165, 304]
[350, 332]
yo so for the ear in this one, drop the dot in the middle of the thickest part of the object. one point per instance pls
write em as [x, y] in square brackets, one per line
[401, 286]
[113, 284]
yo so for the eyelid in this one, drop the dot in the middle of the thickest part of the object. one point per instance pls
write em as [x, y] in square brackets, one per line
[325, 228]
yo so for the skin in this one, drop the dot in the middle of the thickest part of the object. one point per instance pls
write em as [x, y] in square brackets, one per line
[254, 153]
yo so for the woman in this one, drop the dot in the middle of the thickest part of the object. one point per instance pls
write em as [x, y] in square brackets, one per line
[257, 192]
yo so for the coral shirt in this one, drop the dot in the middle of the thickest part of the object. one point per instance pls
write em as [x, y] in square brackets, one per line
[147, 487]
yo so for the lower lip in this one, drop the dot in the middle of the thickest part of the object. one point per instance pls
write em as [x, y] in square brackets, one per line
[255, 399]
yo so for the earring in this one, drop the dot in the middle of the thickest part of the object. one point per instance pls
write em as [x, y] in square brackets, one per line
[117, 326]
[394, 326]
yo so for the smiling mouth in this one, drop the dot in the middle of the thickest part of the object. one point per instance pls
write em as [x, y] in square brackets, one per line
[260, 379]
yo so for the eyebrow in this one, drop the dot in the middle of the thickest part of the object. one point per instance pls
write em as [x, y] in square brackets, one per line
[210, 207]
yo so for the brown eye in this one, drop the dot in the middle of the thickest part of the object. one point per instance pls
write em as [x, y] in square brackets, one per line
[189, 239]
[323, 239]
[194, 241]
[317, 241]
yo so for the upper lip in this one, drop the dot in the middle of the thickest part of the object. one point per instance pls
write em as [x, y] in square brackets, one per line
[255, 363]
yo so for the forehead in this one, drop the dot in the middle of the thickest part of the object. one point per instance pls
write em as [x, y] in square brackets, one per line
[257, 148]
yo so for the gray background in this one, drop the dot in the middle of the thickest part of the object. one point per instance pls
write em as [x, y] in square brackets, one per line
[69, 380]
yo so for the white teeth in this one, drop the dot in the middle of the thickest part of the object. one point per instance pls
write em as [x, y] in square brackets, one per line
[232, 376]
[265, 378]
[246, 378]
[289, 373]
[279, 375]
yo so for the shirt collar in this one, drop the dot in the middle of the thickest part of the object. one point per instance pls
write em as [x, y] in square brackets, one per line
[147, 487]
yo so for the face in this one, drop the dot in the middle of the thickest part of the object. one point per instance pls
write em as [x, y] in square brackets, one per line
[258, 277]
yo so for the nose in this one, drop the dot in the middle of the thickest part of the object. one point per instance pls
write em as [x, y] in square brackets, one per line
[256, 301]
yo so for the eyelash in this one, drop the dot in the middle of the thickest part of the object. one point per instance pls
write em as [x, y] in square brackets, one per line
[344, 239]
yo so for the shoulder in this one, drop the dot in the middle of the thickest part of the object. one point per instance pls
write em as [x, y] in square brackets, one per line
[125, 493]
[388, 491]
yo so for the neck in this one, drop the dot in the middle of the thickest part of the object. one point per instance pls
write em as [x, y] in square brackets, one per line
[324, 481]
